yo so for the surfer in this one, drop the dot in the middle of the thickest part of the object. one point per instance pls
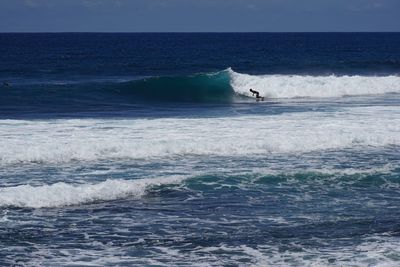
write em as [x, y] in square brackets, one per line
[258, 97]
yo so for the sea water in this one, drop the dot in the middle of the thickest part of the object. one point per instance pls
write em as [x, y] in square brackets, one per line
[149, 149]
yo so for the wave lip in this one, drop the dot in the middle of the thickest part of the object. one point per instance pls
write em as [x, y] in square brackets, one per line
[299, 86]
[63, 194]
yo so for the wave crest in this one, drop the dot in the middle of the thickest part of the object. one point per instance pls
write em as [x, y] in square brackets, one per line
[63, 194]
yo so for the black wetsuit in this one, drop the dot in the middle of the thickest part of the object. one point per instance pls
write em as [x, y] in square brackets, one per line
[255, 93]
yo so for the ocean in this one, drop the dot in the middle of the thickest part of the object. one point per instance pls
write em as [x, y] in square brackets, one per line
[148, 149]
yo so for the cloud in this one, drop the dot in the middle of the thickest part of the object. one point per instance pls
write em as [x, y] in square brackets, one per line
[31, 3]
[376, 4]
[40, 3]
[92, 3]
[101, 3]
[118, 3]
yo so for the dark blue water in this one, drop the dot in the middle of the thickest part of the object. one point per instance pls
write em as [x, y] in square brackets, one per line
[149, 149]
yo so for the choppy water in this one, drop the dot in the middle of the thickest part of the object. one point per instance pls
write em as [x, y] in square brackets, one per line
[147, 149]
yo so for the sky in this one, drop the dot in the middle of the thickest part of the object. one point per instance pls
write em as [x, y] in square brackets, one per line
[199, 15]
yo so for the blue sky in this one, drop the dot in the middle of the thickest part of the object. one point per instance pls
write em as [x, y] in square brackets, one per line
[198, 15]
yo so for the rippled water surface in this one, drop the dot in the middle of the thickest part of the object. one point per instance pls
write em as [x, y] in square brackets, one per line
[149, 150]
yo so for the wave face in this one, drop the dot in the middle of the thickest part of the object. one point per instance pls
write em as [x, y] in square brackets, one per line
[190, 88]
[78, 97]
[195, 88]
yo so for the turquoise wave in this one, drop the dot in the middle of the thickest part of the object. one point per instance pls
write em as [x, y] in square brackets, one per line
[192, 88]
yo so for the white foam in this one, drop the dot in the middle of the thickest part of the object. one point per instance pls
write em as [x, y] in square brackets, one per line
[382, 252]
[63, 141]
[63, 194]
[292, 86]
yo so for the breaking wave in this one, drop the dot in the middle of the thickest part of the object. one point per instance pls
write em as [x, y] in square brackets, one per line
[222, 86]
[63, 194]
[294, 86]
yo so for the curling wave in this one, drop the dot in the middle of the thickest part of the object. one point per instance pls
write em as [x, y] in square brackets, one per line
[228, 85]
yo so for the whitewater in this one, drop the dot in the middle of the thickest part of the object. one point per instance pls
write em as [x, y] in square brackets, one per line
[307, 86]
[62, 141]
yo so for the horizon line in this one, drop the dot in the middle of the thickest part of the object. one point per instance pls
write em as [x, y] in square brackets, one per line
[130, 32]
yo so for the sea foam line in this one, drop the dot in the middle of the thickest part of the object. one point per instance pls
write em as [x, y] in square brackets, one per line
[63, 194]
[64, 141]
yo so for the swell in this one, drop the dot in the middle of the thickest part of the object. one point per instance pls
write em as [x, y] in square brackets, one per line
[39, 99]
[69, 194]
[191, 88]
